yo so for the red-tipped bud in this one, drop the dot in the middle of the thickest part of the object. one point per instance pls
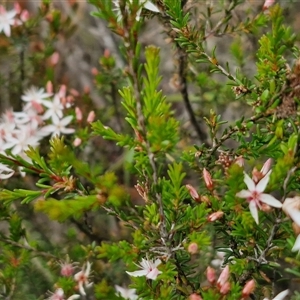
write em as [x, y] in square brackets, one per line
[74, 93]
[77, 142]
[24, 15]
[62, 91]
[78, 114]
[49, 87]
[194, 194]
[248, 288]
[54, 58]
[94, 71]
[17, 7]
[86, 89]
[211, 275]
[268, 3]
[266, 167]
[225, 288]
[265, 207]
[91, 117]
[106, 53]
[195, 297]
[215, 216]
[224, 276]
[193, 248]
[207, 179]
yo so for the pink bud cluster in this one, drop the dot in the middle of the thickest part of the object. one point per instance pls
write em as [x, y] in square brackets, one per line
[222, 283]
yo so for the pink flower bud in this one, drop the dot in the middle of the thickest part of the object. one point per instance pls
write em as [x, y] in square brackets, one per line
[215, 216]
[17, 7]
[86, 89]
[62, 91]
[74, 93]
[268, 3]
[24, 15]
[211, 275]
[94, 71]
[266, 167]
[266, 208]
[195, 297]
[49, 87]
[91, 117]
[78, 114]
[106, 53]
[77, 142]
[54, 58]
[248, 288]
[194, 194]
[207, 179]
[225, 288]
[193, 248]
[224, 276]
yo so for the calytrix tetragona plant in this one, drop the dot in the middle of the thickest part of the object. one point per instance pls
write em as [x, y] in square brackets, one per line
[171, 212]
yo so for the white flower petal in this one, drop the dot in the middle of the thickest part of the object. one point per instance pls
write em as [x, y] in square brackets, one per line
[150, 6]
[137, 273]
[296, 246]
[249, 182]
[282, 295]
[270, 200]
[261, 186]
[295, 215]
[153, 274]
[253, 211]
[157, 262]
[73, 297]
[244, 194]
[266, 167]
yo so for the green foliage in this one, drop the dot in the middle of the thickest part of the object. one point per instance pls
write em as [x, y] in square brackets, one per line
[154, 184]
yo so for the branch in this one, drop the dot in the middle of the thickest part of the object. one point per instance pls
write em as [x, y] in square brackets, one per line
[184, 92]
[29, 248]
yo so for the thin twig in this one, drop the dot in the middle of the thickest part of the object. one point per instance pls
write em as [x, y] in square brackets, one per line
[228, 135]
[185, 95]
[29, 248]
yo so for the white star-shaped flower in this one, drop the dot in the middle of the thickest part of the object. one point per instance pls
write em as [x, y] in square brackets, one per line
[54, 107]
[82, 278]
[5, 171]
[255, 194]
[7, 19]
[35, 98]
[149, 269]
[129, 294]
[58, 126]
